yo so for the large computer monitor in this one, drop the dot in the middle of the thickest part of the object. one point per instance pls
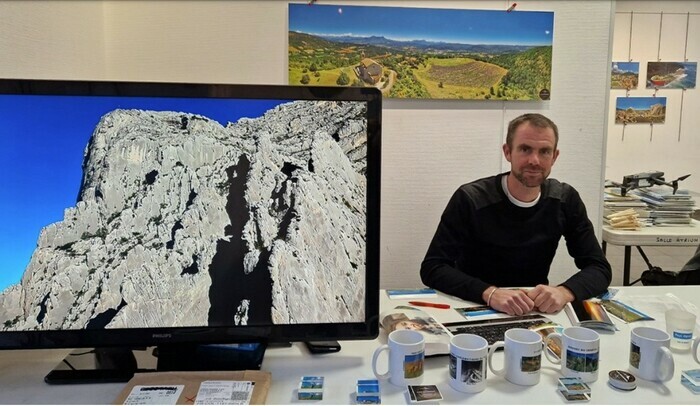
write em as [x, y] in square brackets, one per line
[175, 215]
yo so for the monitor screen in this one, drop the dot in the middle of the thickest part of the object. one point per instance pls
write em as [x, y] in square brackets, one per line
[150, 213]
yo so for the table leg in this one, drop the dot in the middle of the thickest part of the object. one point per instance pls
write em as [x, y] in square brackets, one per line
[626, 266]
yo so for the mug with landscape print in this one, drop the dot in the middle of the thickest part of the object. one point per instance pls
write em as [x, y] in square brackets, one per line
[406, 355]
[522, 350]
[468, 363]
[650, 357]
[580, 351]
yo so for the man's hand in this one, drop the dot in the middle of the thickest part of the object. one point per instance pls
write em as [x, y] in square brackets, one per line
[510, 301]
[550, 299]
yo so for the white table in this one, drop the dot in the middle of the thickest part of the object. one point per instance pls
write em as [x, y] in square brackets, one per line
[22, 372]
[676, 236]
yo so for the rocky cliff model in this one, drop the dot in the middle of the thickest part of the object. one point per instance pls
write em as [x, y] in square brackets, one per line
[183, 222]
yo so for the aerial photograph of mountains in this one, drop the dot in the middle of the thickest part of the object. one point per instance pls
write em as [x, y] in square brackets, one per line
[423, 53]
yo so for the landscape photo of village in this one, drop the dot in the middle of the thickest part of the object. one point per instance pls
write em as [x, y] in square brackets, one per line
[423, 53]
[640, 110]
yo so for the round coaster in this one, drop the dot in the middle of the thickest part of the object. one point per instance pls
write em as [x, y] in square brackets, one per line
[622, 380]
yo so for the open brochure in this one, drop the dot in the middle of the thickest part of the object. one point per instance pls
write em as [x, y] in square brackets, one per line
[437, 338]
[589, 313]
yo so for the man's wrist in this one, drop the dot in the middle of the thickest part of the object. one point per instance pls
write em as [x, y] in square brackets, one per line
[485, 294]
[488, 298]
[568, 294]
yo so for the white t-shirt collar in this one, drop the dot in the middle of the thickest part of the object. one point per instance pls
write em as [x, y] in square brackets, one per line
[504, 184]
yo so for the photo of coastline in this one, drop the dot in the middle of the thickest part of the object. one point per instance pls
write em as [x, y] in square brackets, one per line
[423, 53]
[640, 110]
[624, 75]
[671, 75]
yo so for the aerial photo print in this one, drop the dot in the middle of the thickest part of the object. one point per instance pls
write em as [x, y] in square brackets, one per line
[423, 53]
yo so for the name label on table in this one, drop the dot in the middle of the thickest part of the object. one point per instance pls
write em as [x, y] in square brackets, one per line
[678, 240]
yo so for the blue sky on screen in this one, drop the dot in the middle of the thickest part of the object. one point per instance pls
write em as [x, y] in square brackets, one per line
[447, 25]
[639, 103]
[41, 154]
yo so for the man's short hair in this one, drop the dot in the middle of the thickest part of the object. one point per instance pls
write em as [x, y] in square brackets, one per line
[536, 120]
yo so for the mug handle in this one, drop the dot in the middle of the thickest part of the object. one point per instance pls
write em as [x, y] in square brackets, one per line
[492, 350]
[695, 349]
[378, 351]
[665, 358]
[551, 357]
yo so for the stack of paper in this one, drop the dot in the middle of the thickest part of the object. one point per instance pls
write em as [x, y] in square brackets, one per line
[666, 207]
[624, 210]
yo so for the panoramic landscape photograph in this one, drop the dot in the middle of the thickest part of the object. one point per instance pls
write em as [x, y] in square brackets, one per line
[640, 110]
[423, 53]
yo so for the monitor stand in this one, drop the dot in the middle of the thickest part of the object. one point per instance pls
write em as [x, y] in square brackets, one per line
[104, 365]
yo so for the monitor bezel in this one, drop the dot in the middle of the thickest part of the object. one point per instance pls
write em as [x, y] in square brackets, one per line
[141, 337]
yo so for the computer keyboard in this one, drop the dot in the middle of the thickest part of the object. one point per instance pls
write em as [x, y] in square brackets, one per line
[494, 329]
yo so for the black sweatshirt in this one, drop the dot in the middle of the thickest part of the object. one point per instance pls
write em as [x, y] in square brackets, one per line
[483, 239]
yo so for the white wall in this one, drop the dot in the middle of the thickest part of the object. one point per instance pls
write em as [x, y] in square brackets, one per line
[672, 147]
[429, 147]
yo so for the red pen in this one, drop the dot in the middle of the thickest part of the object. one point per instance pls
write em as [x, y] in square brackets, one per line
[429, 304]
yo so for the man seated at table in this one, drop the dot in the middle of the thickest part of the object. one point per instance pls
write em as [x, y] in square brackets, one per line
[504, 230]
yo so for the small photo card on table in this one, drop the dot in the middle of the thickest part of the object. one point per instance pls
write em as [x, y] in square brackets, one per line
[368, 392]
[424, 393]
[574, 390]
[310, 388]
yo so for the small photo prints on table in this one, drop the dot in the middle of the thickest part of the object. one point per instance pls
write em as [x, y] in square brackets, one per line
[575, 397]
[574, 386]
[691, 379]
[368, 392]
[692, 375]
[424, 393]
[310, 388]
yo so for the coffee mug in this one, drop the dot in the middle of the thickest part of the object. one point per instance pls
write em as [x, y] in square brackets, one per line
[695, 350]
[468, 363]
[650, 357]
[580, 351]
[680, 325]
[406, 354]
[523, 356]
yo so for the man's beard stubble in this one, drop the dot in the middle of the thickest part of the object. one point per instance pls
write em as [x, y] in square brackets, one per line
[528, 181]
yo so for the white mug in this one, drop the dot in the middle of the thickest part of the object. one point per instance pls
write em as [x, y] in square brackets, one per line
[650, 357]
[580, 351]
[523, 356]
[695, 350]
[468, 363]
[406, 355]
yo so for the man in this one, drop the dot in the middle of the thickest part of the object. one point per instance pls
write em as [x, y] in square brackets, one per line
[504, 230]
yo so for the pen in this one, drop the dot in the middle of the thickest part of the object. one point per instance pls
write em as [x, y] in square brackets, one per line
[429, 304]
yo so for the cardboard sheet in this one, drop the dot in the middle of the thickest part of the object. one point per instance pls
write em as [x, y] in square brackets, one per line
[192, 380]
